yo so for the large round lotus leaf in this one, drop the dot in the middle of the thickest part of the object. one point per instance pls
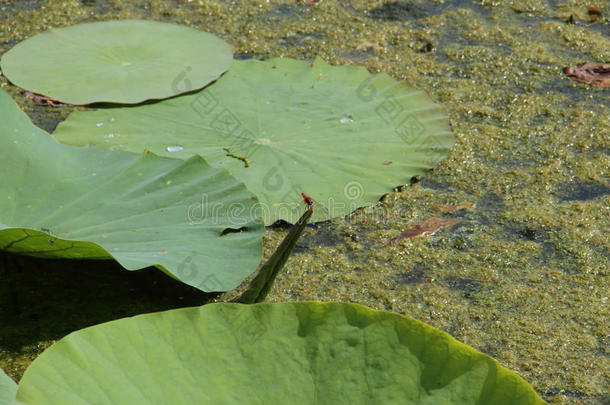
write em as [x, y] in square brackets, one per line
[284, 127]
[125, 61]
[142, 210]
[287, 353]
[7, 389]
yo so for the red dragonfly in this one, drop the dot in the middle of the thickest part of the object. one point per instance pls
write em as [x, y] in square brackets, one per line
[307, 199]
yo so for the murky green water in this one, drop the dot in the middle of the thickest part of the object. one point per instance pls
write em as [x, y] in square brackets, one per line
[523, 276]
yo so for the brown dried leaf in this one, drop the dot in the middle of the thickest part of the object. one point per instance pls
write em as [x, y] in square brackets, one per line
[424, 228]
[592, 10]
[450, 209]
[42, 100]
[594, 74]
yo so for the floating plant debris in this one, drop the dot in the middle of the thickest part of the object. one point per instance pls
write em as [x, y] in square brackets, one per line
[424, 228]
[594, 14]
[594, 74]
[42, 100]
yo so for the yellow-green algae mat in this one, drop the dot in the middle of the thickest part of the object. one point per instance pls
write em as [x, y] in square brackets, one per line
[283, 353]
[284, 126]
[142, 210]
[125, 61]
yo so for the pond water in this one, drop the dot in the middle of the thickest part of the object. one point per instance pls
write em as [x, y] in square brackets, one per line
[523, 275]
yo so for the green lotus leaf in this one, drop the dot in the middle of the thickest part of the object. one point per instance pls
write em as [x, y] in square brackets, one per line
[197, 223]
[126, 61]
[284, 353]
[8, 388]
[285, 126]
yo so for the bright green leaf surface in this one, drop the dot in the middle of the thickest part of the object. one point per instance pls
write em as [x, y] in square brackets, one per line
[125, 61]
[335, 132]
[287, 353]
[7, 389]
[142, 210]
